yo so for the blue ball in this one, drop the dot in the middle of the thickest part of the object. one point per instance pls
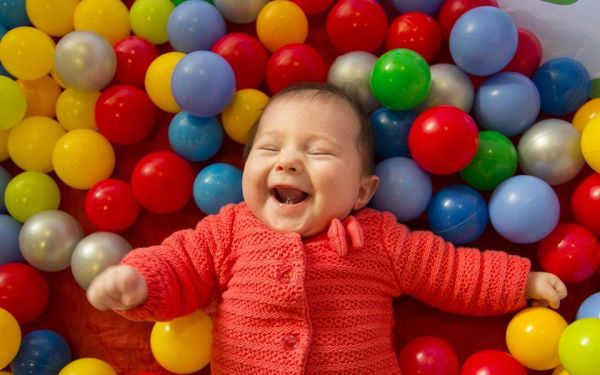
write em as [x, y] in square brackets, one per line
[564, 85]
[13, 14]
[404, 188]
[5, 178]
[390, 129]
[9, 240]
[216, 186]
[524, 209]
[458, 213]
[507, 103]
[42, 352]
[195, 138]
[483, 41]
[195, 25]
[430, 7]
[590, 307]
[203, 83]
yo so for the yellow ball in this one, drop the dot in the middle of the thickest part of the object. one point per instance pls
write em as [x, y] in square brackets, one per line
[86, 366]
[75, 109]
[183, 345]
[11, 337]
[109, 18]
[29, 193]
[82, 158]
[149, 19]
[27, 53]
[532, 337]
[158, 81]
[41, 95]
[13, 103]
[281, 22]
[54, 17]
[242, 113]
[590, 144]
[30, 143]
[586, 113]
[4, 145]
[560, 371]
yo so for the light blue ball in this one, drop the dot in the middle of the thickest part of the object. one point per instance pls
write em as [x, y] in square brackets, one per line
[13, 14]
[430, 7]
[390, 130]
[5, 178]
[195, 25]
[216, 186]
[590, 307]
[9, 240]
[195, 138]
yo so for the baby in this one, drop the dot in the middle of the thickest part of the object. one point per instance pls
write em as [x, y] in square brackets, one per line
[303, 274]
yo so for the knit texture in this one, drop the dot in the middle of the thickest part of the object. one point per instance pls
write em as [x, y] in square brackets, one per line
[317, 305]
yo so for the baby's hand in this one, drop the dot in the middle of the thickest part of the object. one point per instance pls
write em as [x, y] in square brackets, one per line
[118, 287]
[546, 288]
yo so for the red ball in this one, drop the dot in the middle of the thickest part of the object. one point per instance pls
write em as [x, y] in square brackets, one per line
[162, 182]
[313, 6]
[585, 203]
[492, 362]
[134, 55]
[23, 291]
[416, 31]
[247, 57]
[571, 252]
[295, 63]
[428, 355]
[125, 114]
[443, 139]
[528, 55]
[451, 11]
[111, 206]
[356, 25]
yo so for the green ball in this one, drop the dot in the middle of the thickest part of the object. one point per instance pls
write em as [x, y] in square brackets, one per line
[579, 347]
[400, 79]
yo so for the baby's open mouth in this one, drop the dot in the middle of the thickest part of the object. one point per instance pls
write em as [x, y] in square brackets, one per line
[289, 195]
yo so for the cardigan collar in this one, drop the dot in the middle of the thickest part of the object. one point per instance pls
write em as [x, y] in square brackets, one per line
[345, 235]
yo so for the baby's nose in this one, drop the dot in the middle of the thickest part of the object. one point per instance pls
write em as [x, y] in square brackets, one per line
[288, 164]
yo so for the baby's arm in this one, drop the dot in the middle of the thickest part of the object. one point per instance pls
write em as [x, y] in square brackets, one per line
[546, 288]
[119, 287]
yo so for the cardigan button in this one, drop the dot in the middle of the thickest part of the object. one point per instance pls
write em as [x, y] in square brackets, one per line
[290, 341]
[283, 273]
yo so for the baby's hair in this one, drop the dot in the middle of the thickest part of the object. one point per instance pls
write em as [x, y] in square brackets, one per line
[327, 91]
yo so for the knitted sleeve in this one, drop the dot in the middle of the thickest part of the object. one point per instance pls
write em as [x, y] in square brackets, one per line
[461, 280]
[185, 270]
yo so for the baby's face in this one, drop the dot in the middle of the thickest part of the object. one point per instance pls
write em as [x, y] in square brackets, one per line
[304, 168]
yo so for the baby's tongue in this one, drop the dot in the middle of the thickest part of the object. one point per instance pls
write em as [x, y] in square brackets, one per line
[290, 195]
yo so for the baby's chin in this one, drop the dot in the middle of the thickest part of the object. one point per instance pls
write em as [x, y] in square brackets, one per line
[285, 225]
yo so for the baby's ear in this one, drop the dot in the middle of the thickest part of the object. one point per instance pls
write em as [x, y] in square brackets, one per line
[368, 187]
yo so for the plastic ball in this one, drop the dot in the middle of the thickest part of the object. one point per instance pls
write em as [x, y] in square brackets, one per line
[53, 17]
[435, 137]
[134, 56]
[313, 6]
[579, 347]
[492, 362]
[494, 162]
[162, 182]
[107, 18]
[41, 95]
[13, 103]
[9, 238]
[216, 186]
[195, 25]
[351, 72]
[428, 355]
[280, 23]
[12, 337]
[83, 157]
[75, 109]
[183, 345]
[158, 81]
[507, 103]
[195, 138]
[83, 366]
[240, 12]
[416, 31]
[23, 292]
[430, 7]
[451, 86]
[458, 214]
[524, 209]
[586, 113]
[85, 61]
[111, 206]
[356, 25]
[564, 85]
[26, 52]
[590, 144]
[390, 130]
[149, 19]
[96, 252]
[48, 238]
[294, 63]
[451, 10]
[3, 156]
[483, 41]
[590, 307]
[13, 13]
[30, 143]
[550, 150]
[29, 193]
[528, 56]
[242, 113]
[585, 203]
[404, 188]
[42, 352]
[125, 114]
[246, 56]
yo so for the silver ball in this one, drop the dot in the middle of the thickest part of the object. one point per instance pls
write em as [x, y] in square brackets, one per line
[351, 72]
[240, 11]
[95, 253]
[550, 150]
[449, 85]
[47, 240]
